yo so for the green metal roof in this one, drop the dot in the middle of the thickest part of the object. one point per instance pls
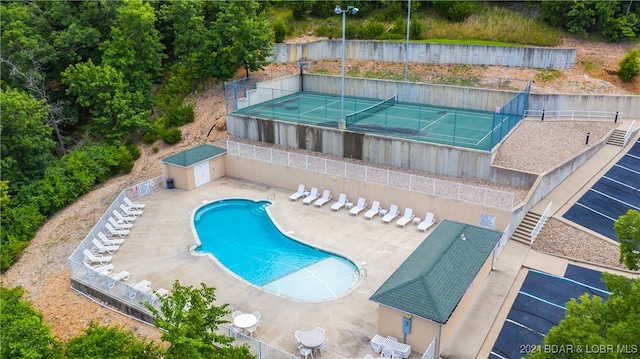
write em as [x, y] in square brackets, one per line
[434, 278]
[194, 155]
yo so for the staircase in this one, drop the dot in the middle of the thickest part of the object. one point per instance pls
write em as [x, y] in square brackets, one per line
[523, 232]
[616, 138]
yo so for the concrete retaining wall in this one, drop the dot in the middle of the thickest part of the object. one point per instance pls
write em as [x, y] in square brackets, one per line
[533, 57]
[443, 95]
[628, 105]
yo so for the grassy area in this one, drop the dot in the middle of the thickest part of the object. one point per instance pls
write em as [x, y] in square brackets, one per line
[489, 25]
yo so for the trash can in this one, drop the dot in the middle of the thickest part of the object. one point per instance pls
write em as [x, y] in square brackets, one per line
[169, 183]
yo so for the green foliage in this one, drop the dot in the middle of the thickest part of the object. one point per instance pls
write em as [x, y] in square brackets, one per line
[104, 342]
[627, 229]
[455, 10]
[171, 136]
[125, 159]
[189, 319]
[372, 30]
[24, 333]
[545, 75]
[630, 66]
[595, 323]
[134, 151]
[26, 146]
[280, 31]
[179, 115]
[102, 91]
[134, 48]
[415, 30]
[616, 20]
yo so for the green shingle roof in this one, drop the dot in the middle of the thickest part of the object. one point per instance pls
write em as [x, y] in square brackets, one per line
[433, 279]
[194, 155]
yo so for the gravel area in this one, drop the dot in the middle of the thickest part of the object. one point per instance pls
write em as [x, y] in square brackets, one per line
[534, 147]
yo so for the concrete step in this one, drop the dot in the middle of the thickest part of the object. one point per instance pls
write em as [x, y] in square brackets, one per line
[616, 138]
[526, 226]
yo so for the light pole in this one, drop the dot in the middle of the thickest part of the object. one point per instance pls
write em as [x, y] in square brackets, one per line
[339, 11]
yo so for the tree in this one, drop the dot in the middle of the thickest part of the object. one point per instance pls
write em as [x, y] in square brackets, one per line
[27, 147]
[134, 48]
[630, 66]
[24, 333]
[104, 342]
[595, 326]
[240, 37]
[116, 114]
[627, 229]
[190, 319]
[611, 326]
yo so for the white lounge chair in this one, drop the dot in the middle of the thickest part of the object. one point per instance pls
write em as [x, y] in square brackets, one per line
[301, 192]
[342, 201]
[313, 195]
[143, 286]
[362, 204]
[95, 258]
[429, 220]
[101, 248]
[391, 215]
[117, 225]
[135, 205]
[326, 197]
[155, 295]
[122, 218]
[130, 211]
[93, 270]
[406, 217]
[111, 279]
[109, 241]
[116, 232]
[373, 211]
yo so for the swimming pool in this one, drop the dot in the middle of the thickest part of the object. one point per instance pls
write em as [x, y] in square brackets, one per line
[240, 234]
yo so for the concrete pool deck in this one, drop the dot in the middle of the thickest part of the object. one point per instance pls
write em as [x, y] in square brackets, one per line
[158, 250]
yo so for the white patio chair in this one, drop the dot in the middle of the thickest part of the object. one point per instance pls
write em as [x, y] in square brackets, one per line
[235, 314]
[298, 334]
[387, 353]
[368, 356]
[302, 350]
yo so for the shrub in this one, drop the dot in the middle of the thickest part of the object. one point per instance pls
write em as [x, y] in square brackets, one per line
[372, 30]
[630, 66]
[171, 136]
[415, 30]
[179, 115]
[134, 151]
[126, 160]
[280, 31]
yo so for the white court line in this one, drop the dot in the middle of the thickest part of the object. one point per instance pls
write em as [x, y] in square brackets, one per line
[443, 116]
[326, 106]
[594, 211]
[620, 183]
[542, 300]
[627, 169]
[613, 198]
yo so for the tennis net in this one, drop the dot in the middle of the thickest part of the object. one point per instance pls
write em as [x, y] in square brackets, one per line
[371, 110]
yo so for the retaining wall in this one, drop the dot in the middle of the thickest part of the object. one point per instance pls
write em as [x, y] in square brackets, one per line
[533, 57]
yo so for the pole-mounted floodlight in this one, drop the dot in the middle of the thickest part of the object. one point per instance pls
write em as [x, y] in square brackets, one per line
[340, 11]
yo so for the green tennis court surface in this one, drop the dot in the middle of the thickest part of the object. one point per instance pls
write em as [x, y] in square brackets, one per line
[442, 125]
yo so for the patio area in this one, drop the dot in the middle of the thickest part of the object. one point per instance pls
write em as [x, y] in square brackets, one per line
[157, 250]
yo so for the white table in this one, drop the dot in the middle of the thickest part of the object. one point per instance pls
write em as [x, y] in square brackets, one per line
[244, 321]
[312, 338]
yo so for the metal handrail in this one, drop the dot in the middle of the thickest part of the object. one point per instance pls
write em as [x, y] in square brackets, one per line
[575, 114]
[543, 219]
[627, 135]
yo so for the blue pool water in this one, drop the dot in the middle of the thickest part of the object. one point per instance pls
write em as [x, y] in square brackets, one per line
[240, 234]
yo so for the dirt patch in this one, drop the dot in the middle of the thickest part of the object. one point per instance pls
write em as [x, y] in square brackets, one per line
[43, 271]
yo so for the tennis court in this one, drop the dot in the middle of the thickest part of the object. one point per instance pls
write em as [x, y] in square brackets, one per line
[612, 196]
[540, 305]
[442, 125]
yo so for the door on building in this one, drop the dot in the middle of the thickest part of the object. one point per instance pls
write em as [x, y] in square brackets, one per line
[201, 173]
